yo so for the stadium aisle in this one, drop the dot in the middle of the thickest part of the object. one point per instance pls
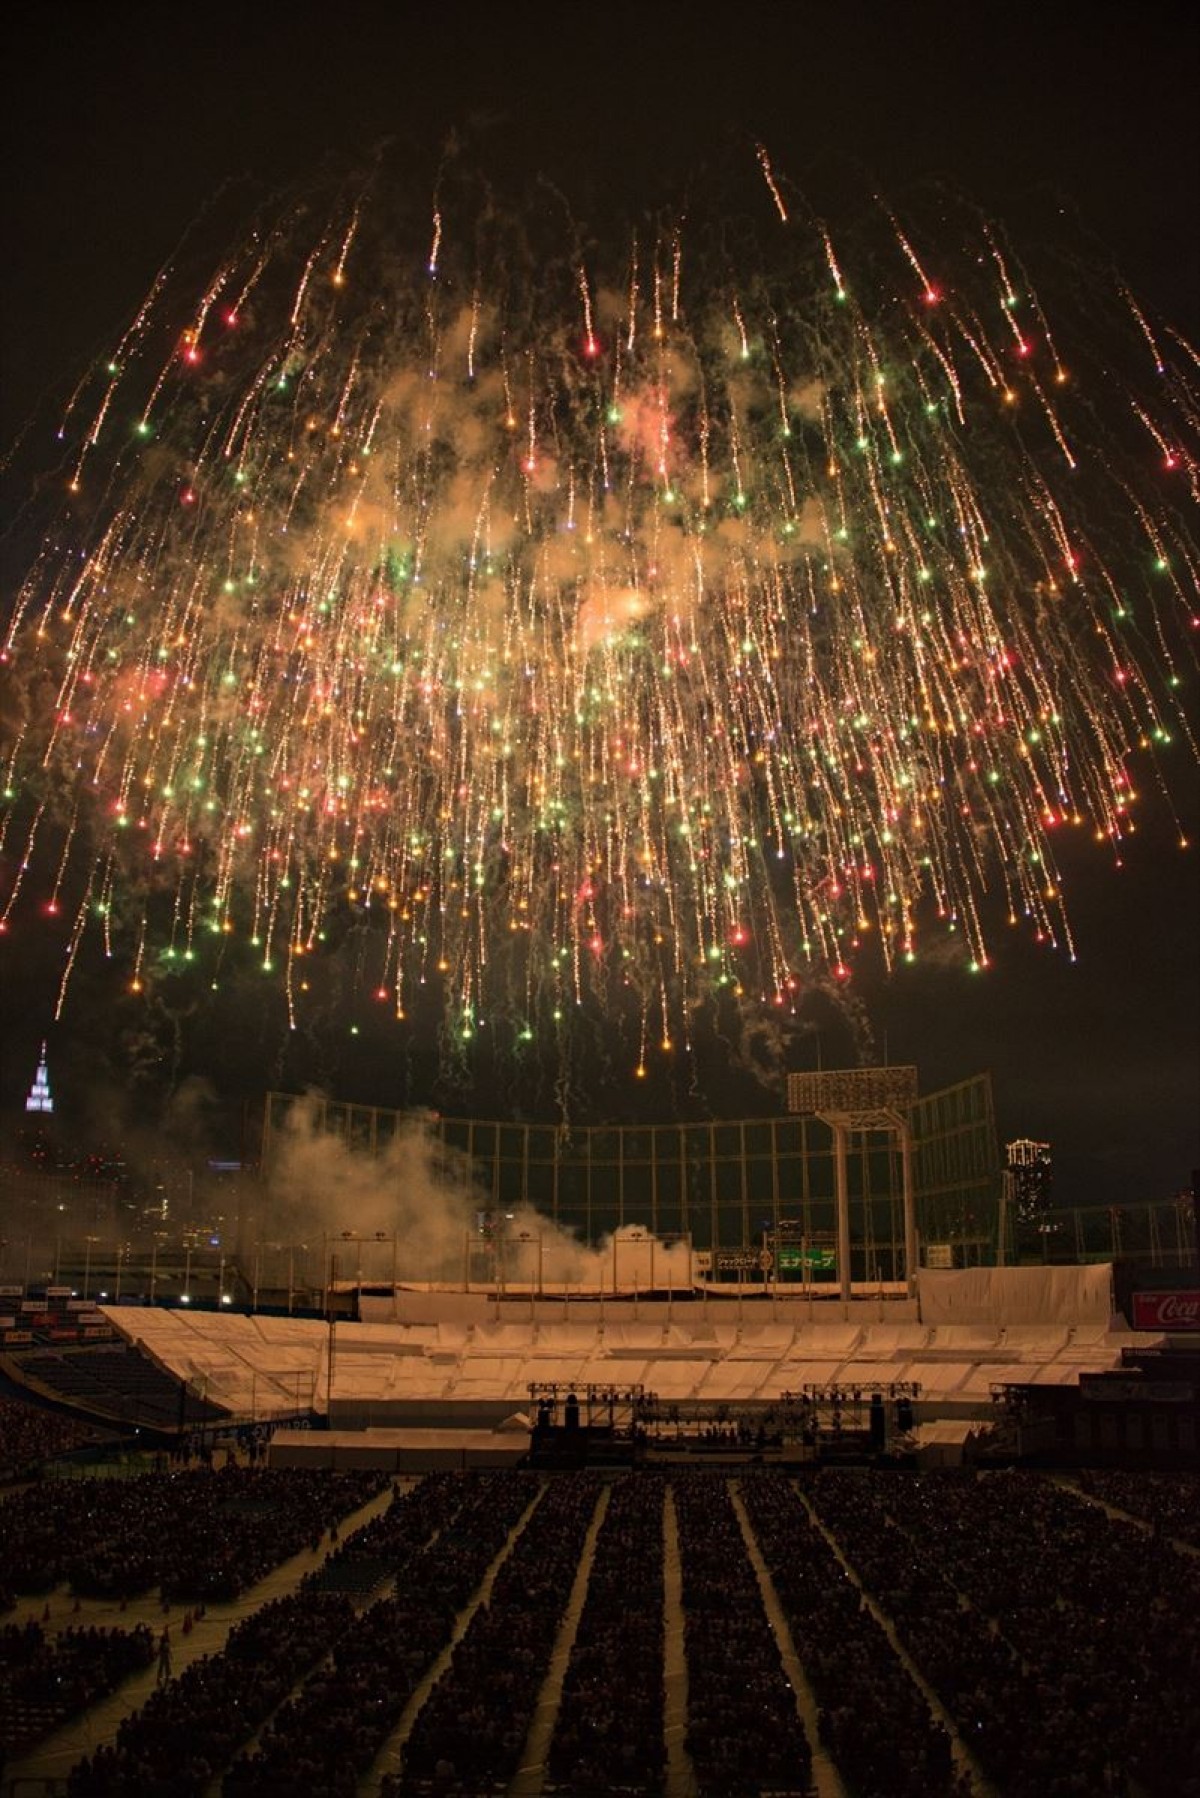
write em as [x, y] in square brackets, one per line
[681, 1780]
[826, 1778]
[531, 1772]
[963, 1758]
[1110, 1509]
[54, 1757]
[391, 1755]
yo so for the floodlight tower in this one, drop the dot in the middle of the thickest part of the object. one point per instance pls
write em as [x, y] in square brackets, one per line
[862, 1099]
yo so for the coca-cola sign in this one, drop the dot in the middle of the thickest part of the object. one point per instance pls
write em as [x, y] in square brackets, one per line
[1166, 1310]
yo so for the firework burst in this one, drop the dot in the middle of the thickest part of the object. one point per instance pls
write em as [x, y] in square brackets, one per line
[612, 637]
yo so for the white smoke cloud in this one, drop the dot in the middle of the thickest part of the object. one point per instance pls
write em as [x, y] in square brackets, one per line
[429, 1199]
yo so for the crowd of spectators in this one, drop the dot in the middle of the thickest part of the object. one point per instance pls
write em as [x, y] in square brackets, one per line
[195, 1535]
[31, 1435]
[1062, 1641]
[382, 1548]
[608, 1735]
[328, 1734]
[188, 1729]
[873, 1717]
[986, 1687]
[44, 1679]
[744, 1734]
[469, 1734]
[1169, 1502]
[191, 1727]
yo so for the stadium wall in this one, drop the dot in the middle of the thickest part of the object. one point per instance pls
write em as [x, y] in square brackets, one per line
[729, 1185]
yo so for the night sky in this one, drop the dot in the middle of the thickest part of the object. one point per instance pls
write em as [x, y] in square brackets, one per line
[123, 124]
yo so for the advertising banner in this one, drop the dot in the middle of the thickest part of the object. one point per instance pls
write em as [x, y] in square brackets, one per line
[793, 1259]
[1166, 1310]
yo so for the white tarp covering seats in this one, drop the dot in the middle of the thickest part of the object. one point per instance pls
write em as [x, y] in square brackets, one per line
[1016, 1295]
[979, 1327]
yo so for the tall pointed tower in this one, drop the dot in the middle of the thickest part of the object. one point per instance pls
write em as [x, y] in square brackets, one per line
[39, 1098]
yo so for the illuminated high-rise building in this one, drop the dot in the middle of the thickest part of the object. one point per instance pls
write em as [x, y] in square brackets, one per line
[1029, 1180]
[39, 1098]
